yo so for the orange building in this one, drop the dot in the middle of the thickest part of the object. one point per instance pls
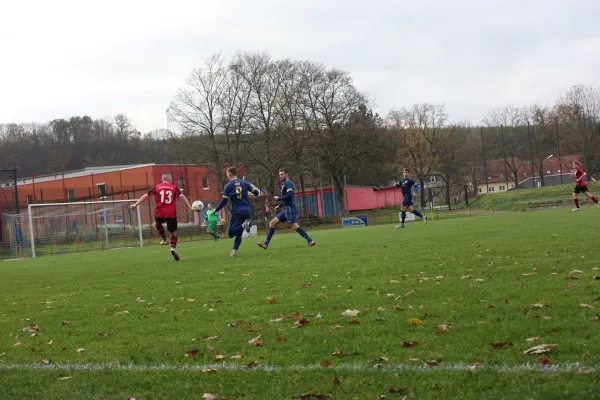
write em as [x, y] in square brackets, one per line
[117, 183]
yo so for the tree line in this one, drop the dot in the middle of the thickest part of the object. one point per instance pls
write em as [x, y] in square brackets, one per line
[303, 116]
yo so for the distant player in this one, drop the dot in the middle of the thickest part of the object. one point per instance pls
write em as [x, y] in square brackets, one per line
[166, 195]
[580, 185]
[406, 183]
[237, 190]
[211, 220]
[287, 212]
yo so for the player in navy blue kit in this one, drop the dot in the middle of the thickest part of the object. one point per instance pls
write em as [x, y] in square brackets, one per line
[406, 183]
[287, 211]
[237, 190]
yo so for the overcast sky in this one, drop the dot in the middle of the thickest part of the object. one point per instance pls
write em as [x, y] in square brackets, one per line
[62, 58]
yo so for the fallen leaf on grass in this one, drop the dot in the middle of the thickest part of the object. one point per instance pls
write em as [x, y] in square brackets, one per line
[326, 364]
[251, 364]
[79, 350]
[501, 345]
[398, 390]
[318, 315]
[597, 277]
[434, 363]
[236, 357]
[311, 395]
[585, 306]
[380, 309]
[32, 328]
[350, 313]
[414, 321]
[476, 364]
[300, 323]
[443, 328]
[541, 349]
[280, 339]
[354, 322]
[585, 371]
[335, 381]
[211, 338]
[538, 305]
[43, 361]
[408, 343]
[50, 343]
[256, 341]
[335, 326]
[17, 341]
[467, 277]
[575, 271]
[209, 371]
[533, 339]
[219, 357]
[192, 353]
[337, 353]
[65, 378]
[545, 361]
[209, 396]
[413, 359]
[596, 318]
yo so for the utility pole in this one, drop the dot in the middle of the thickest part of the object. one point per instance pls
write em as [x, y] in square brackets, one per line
[487, 189]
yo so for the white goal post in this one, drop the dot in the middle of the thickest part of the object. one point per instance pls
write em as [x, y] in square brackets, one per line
[56, 228]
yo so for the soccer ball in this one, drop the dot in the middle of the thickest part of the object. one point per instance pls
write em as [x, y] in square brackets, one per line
[198, 205]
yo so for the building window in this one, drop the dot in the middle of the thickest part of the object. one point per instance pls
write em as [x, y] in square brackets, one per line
[502, 188]
[70, 194]
[29, 199]
[101, 190]
[205, 182]
[432, 179]
[491, 189]
[538, 184]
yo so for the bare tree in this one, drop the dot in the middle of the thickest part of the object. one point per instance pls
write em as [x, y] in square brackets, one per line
[420, 131]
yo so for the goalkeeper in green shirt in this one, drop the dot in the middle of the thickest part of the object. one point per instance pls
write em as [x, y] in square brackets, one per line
[211, 220]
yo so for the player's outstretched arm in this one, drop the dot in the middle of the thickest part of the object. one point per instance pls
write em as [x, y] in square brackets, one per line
[186, 201]
[254, 190]
[222, 204]
[140, 201]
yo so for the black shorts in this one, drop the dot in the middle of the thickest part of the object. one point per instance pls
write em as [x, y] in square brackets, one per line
[171, 223]
[580, 189]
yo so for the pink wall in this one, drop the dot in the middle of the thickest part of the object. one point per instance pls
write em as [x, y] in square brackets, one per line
[365, 198]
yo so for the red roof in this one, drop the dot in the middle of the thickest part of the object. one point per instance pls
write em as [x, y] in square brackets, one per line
[497, 170]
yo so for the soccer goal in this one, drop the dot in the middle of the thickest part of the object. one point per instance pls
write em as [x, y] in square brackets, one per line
[58, 228]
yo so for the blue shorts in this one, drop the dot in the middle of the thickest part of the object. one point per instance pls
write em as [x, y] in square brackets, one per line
[288, 216]
[237, 220]
[407, 202]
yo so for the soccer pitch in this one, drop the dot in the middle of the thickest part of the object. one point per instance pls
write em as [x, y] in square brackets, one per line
[445, 310]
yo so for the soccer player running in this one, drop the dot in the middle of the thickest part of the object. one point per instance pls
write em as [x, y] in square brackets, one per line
[211, 220]
[580, 186]
[166, 195]
[288, 212]
[406, 183]
[237, 190]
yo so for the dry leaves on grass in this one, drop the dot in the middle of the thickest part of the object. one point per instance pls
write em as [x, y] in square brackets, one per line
[336, 381]
[336, 326]
[582, 305]
[434, 363]
[256, 341]
[299, 323]
[211, 338]
[192, 353]
[251, 364]
[414, 321]
[545, 361]
[80, 350]
[541, 349]
[280, 339]
[408, 343]
[398, 390]
[209, 396]
[501, 345]
[65, 378]
[337, 353]
[585, 371]
[326, 364]
[43, 361]
[533, 339]
[350, 313]
[209, 371]
[32, 328]
[443, 328]
[311, 395]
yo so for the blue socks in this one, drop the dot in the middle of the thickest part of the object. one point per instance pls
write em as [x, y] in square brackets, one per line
[403, 216]
[418, 214]
[270, 234]
[237, 241]
[303, 233]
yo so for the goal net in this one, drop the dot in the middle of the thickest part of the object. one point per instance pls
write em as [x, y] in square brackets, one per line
[73, 227]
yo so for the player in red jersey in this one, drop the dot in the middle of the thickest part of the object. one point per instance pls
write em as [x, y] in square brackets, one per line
[580, 185]
[166, 195]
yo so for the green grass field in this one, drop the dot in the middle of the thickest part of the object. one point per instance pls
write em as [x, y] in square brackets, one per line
[445, 311]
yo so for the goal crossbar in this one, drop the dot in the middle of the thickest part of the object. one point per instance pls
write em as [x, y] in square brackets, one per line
[31, 218]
